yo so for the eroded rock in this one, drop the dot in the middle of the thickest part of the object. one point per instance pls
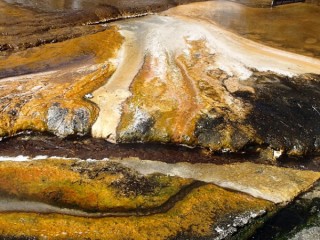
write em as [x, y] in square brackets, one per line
[268, 182]
[54, 100]
[80, 198]
[299, 220]
[189, 82]
[63, 124]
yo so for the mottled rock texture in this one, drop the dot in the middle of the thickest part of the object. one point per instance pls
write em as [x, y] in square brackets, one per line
[50, 93]
[117, 202]
[176, 78]
[267, 182]
[188, 76]
[88, 186]
[91, 199]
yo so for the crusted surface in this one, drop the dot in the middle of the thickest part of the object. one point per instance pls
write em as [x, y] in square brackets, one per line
[54, 100]
[267, 182]
[194, 215]
[176, 79]
[200, 91]
[87, 186]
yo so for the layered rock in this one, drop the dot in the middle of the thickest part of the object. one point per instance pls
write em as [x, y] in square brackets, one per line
[177, 78]
[130, 196]
[196, 87]
[182, 77]
[53, 97]
[267, 182]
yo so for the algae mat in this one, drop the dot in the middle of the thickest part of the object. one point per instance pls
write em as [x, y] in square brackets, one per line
[107, 200]
[114, 199]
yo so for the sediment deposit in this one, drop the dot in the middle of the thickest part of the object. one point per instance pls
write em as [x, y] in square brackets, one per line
[213, 121]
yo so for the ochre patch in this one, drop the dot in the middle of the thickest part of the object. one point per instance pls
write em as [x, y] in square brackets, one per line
[74, 68]
[104, 187]
[194, 215]
[168, 105]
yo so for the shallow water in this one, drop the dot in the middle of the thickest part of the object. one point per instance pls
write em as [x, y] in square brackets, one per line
[292, 27]
[58, 5]
[27, 24]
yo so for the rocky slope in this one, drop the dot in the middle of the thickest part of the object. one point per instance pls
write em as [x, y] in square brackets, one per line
[173, 78]
[242, 96]
[146, 200]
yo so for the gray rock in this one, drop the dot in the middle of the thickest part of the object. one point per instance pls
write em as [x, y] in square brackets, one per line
[62, 122]
[312, 233]
[140, 127]
[231, 226]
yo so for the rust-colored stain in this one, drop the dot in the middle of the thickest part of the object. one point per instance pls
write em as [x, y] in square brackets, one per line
[194, 215]
[76, 67]
[103, 187]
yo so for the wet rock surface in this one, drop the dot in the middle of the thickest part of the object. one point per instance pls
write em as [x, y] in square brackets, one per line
[26, 24]
[170, 126]
[94, 189]
[55, 98]
[102, 187]
[81, 196]
[291, 105]
[233, 102]
[300, 220]
[225, 112]
[273, 27]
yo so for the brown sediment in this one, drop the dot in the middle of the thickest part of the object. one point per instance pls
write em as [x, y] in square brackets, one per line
[28, 24]
[89, 5]
[91, 148]
[87, 147]
[25, 28]
[194, 215]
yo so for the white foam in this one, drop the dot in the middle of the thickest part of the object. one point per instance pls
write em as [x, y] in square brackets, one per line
[19, 158]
